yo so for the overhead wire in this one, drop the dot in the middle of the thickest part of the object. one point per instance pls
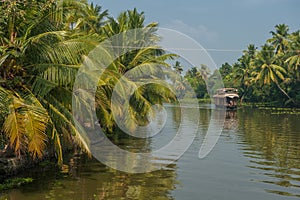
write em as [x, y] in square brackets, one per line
[198, 49]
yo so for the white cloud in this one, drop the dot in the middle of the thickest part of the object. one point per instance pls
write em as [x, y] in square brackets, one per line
[200, 32]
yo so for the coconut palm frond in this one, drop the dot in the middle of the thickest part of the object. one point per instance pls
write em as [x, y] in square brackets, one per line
[63, 118]
[35, 126]
[14, 127]
[25, 125]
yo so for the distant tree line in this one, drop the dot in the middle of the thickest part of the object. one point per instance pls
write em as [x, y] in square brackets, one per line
[270, 74]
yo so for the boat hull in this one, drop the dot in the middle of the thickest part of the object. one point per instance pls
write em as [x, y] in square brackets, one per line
[226, 107]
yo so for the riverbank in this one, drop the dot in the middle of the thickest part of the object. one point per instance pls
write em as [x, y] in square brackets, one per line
[16, 172]
[11, 172]
[270, 106]
[12, 166]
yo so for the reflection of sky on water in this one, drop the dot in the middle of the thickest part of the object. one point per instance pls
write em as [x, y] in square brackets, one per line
[258, 159]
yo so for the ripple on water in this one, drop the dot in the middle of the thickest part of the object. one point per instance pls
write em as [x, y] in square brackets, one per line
[273, 150]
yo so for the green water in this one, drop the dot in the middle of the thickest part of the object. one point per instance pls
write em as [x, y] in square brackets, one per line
[256, 157]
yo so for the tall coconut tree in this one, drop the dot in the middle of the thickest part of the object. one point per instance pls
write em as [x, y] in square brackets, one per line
[293, 56]
[243, 70]
[84, 18]
[268, 71]
[38, 64]
[143, 62]
[279, 38]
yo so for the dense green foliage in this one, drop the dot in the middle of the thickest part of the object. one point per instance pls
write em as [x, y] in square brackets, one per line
[197, 78]
[270, 74]
[42, 46]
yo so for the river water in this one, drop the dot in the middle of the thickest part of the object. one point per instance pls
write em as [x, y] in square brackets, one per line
[256, 157]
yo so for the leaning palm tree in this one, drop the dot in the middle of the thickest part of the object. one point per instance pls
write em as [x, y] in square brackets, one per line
[39, 61]
[141, 63]
[267, 69]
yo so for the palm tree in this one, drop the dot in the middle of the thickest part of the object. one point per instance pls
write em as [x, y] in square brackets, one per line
[85, 18]
[204, 72]
[268, 71]
[38, 63]
[293, 59]
[243, 70]
[143, 62]
[177, 67]
[40, 58]
[280, 38]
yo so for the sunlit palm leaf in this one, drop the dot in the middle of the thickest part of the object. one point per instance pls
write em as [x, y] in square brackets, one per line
[14, 128]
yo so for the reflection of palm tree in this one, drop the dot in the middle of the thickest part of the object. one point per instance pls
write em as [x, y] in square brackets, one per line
[271, 146]
[105, 183]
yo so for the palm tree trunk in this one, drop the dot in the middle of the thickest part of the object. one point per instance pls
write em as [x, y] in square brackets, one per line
[285, 93]
[242, 98]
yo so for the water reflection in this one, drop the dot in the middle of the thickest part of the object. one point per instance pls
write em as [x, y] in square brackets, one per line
[87, 179]
[257, 157]
[84, 179]
[231, 120]
[272, 144]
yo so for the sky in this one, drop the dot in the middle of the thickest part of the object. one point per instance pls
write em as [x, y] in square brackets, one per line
[224, 27]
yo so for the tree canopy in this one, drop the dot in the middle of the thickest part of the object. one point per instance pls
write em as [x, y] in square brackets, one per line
[269, 74]
[42, 46]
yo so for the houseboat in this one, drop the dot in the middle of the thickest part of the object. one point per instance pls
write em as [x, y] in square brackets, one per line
[226, 98]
